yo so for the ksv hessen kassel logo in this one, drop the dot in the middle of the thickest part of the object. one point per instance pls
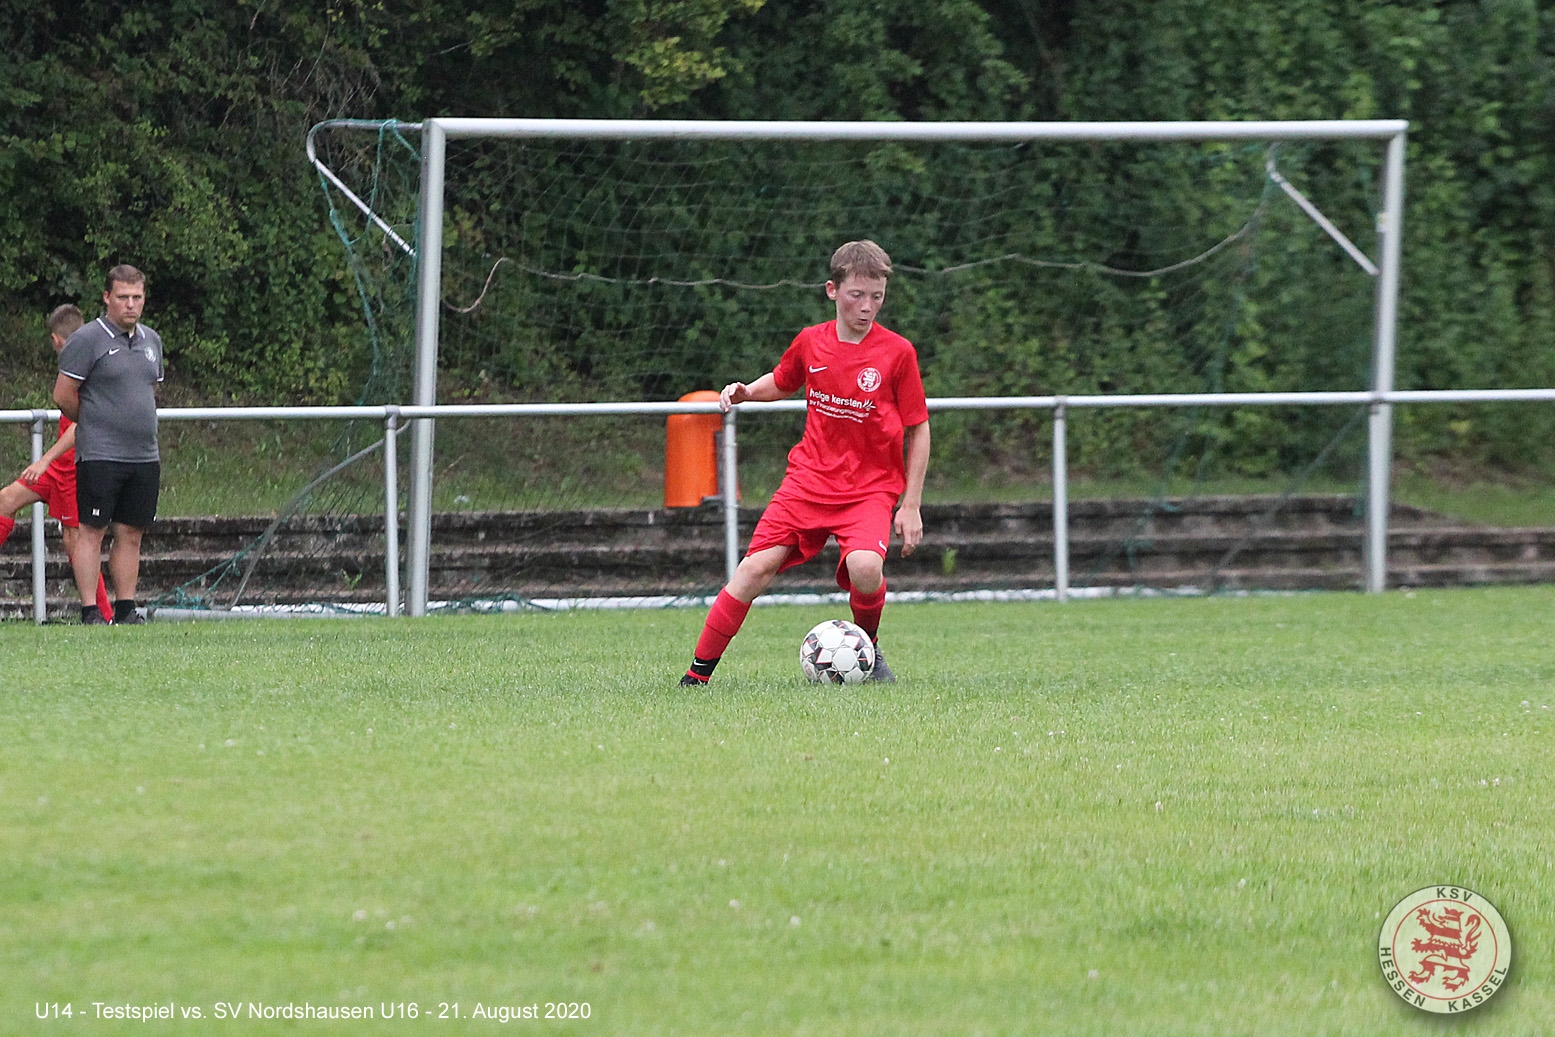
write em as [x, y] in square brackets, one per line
[869, 379]
[1445, 949]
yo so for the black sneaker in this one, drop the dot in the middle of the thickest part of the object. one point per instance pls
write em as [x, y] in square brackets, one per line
[90, 617]
[691, 680]
[881, 674]
[133, 618]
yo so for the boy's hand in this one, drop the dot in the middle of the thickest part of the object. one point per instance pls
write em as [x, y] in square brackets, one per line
[734, 392]
[32, 473]
[908, 526]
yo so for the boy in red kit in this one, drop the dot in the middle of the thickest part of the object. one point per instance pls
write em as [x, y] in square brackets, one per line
[866, 404]
[52, 478]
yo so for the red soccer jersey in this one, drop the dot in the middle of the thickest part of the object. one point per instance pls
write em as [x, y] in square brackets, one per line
[65, 462]
[861, 397]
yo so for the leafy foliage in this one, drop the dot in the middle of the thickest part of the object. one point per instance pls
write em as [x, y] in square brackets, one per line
[168, 134]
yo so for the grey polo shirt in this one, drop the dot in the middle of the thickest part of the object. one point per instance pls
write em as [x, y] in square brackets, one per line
[118, 372]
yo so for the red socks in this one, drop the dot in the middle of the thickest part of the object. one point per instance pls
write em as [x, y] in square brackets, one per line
[867, 609]
[7, 523]
[724, 620]
[104, 606]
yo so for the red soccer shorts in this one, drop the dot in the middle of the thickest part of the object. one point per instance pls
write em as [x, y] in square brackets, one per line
[58, 489]
[804, 527]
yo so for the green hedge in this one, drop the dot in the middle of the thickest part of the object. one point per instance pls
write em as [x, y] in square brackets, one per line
[169, 134]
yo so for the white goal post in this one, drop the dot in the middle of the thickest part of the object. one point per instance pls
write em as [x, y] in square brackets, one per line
[435, 134]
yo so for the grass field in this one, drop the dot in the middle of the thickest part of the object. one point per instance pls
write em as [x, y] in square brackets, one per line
[1112, 817]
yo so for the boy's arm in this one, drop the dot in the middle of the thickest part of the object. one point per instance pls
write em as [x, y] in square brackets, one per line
[909, 519]
[762, 390]
[33, 472]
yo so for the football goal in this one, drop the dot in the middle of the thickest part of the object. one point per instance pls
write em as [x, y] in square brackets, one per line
[570, 260]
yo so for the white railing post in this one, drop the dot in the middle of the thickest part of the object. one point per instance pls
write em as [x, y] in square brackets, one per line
[391, 512]
[1060, 501]
[1379, 449]
[40, 583]
[731, 497]
[429, 278]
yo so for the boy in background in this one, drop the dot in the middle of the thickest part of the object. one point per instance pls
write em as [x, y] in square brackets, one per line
[52, 478]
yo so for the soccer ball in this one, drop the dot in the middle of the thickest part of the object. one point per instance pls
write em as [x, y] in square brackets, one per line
[837, 652]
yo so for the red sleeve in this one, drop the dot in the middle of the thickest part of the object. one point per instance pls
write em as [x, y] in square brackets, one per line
[790, 370]
[911, 404]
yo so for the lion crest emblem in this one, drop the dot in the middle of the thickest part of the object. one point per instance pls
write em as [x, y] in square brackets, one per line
[1452, 939]
[1445, 949]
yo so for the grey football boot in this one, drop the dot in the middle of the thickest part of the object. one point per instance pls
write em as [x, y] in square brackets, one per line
[881, 674]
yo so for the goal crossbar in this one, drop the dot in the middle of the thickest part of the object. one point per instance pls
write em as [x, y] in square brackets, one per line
[694, 129]
[710, 129]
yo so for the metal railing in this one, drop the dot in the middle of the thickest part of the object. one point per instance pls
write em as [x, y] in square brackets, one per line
[391, 417]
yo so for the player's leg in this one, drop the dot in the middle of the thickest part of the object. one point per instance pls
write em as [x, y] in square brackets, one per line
[86, 563]
[866, 593]
[866, 597]
[14, 498]
[724, 619]
[755, 573]
[58, 488]
[67, 536]
[863, 535]
[133, 515]
[97, 486]
[124, 570]
[790, 532]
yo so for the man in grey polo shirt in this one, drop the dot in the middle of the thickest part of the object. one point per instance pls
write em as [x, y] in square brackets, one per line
[108, 372]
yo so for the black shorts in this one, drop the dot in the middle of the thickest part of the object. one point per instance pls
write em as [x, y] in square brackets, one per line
[118, 491]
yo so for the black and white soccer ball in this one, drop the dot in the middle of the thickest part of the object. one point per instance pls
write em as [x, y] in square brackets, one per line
[837, 652]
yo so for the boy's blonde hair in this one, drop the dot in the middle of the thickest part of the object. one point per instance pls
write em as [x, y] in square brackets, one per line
[859, 259]
[65, 320]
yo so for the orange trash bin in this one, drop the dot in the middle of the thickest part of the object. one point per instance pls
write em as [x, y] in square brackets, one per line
[691, 454]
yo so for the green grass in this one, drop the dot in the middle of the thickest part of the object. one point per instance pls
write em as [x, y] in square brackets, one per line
[255, 468]
[1495, 500]
[1505, 502]
[1149, 816]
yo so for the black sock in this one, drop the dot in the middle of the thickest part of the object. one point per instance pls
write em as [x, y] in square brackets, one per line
[88, 610]
[703, 667]
[122, 608]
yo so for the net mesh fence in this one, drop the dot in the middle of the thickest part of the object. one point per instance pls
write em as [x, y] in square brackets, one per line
[625, 270]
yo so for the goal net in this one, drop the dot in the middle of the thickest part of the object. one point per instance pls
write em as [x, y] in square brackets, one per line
[589, 269]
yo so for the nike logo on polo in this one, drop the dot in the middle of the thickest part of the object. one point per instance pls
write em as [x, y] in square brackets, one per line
[815, 369]
[111, 352]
